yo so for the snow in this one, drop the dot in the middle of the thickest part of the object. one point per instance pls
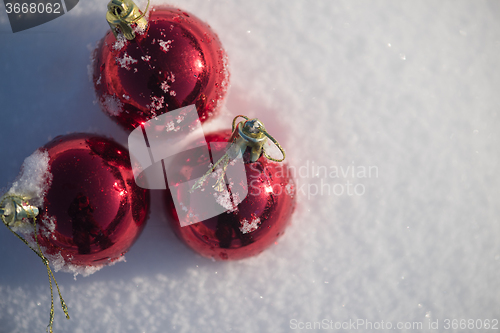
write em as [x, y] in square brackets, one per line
[121, 40]
[249, 226]
[126, 61]
[165, 45]
[408, 87]
[111, 104]
[224, 199]
[59, 264]
[34, 178]
[157, 103]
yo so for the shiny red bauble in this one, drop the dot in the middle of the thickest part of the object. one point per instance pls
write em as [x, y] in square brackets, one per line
[256, 223]
[92, 211]
[177, 61]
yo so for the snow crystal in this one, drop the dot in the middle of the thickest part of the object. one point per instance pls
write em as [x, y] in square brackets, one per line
[236, 199]
[225, 80]
[224, 200]
[165, 86]
[170, 126]
[90, 71]
[49, 226]
[126, 61]
[225, 68]
[121, 40]
[90, 67]
[111, 104]
[165, 46]
[141, 29]
[146, 58]
[249, 226]
[157, 103]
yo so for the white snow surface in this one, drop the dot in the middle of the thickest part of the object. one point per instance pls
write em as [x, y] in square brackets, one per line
[406, 89]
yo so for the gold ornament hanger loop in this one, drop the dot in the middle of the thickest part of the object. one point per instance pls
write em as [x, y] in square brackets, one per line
[234, 120]
[276, 143]
[13, 210]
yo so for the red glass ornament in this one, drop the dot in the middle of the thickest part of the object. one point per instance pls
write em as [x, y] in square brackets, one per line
[259, 220]
[177, 61]
[92, 211]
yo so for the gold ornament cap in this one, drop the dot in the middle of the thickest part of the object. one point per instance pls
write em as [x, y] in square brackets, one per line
[123, 15]
[16, 208]
[254, 135]
[250, 133]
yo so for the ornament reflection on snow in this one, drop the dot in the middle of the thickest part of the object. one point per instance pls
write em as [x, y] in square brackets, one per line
[156, 62]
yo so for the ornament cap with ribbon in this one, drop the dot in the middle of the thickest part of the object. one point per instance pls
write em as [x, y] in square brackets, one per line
[254, 134]
[248, 134]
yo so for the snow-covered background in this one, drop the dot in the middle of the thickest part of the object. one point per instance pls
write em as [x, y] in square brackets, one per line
[408, 88]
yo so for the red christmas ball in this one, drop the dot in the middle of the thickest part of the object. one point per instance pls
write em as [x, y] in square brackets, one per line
[173, 60]
[90, 209]
[247, 228]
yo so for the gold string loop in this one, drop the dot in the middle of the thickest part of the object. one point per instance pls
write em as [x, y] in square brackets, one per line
[234, 121]
[14, 212]
[276, 143]
[142, 15]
